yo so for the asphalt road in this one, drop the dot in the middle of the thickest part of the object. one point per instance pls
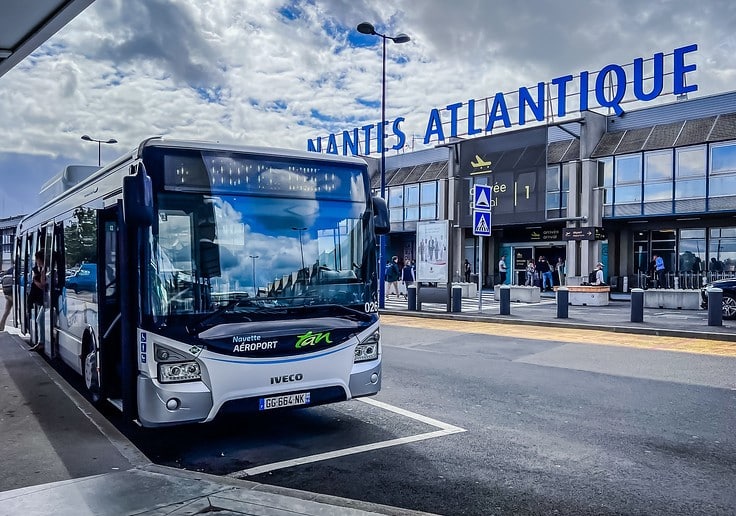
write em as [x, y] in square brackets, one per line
[519, 425]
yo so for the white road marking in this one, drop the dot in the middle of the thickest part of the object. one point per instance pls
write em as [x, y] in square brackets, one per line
[445, 429]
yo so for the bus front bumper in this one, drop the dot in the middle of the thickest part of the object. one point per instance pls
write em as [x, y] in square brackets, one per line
[169, 404]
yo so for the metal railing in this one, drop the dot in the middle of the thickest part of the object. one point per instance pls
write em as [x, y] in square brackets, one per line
[680, 280]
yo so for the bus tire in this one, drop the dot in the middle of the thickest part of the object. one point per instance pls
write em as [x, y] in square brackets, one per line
[90, 368]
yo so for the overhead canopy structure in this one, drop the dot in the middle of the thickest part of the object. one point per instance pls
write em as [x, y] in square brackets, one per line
[26, 25]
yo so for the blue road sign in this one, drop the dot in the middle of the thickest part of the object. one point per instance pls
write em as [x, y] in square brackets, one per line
[482, 223]
[482, 198]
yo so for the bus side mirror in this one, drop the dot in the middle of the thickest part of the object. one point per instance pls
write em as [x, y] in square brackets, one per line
[381, 221]
[138, 198]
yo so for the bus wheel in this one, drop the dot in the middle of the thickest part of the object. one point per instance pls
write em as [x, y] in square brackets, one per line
[91, 374]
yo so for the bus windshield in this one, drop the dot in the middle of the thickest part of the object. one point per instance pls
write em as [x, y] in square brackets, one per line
[248, 252]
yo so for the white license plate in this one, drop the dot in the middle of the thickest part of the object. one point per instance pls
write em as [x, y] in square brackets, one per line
[288, 400]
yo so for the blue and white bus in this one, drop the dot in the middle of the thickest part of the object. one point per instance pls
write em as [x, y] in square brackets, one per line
[186, 279]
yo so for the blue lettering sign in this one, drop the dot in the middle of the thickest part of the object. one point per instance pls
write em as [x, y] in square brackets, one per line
[331, 144]
[349, 142]
[367, 132]
[434, 126]
[498, 103]
[314, 147]
[680, 87]
[452, 108]
[525, 99]
[561, 83]
[620, 88]
[471, 119]
[400, 136]
[657, 77]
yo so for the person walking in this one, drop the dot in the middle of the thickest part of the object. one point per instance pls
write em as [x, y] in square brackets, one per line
[392, 276]
[7, 283]
[407, 277]
[502, 269]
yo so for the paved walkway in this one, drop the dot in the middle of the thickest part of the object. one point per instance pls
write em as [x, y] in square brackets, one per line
[61, 457]
[615, 317]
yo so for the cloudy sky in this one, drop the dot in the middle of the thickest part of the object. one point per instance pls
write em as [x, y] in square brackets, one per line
[277, 72]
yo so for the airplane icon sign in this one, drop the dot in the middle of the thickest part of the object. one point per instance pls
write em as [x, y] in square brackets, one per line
[480, 162]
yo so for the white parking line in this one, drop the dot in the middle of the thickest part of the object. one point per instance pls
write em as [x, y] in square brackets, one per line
[445, 429]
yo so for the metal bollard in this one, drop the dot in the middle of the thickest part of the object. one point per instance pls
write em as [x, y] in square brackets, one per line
[505, 293]
[411, 293]
[563, 299]
[457, 299]
[715, 307]
[637, 305]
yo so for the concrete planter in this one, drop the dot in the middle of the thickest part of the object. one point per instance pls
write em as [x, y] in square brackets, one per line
[519, 294]
[672, 298]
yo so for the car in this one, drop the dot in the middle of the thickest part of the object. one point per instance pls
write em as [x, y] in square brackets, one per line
[729, 296]
[84, 280]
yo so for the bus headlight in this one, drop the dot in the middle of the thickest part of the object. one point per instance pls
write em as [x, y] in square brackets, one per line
[368, 349]
[179, 372]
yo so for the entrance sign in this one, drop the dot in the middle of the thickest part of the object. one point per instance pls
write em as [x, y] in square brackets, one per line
[584, 233]
[432, 251]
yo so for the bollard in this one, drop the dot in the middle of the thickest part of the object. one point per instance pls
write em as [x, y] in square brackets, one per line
[457, 299]
[412, 297]
[505, 292]
[715, 307]
[563, 299]
[637, 305]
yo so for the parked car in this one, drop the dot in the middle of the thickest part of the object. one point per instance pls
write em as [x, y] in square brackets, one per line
[729, 296]
[84, 280]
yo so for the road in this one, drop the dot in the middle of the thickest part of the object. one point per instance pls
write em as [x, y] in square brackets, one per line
[498, 419]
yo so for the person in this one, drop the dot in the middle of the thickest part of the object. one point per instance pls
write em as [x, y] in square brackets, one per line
[392, 276]
[407, 276]
[531, 271]
[561, 270]
[7, 283]
[546, 272]
[502, 269]
[36, 297]
[599, 280]
[466, 270]
[659, 267]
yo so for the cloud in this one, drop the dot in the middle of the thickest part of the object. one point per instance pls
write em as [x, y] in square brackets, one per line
[257, 72]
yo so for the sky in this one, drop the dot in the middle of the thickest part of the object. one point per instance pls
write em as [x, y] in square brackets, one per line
[278, 72]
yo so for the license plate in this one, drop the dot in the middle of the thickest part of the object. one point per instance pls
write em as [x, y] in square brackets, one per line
[288, 400]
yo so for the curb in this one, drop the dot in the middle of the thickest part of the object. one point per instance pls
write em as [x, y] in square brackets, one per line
[635, 330]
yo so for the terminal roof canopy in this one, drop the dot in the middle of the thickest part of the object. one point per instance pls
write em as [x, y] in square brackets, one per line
[26, 25]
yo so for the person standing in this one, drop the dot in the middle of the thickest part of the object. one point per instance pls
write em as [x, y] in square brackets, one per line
[599, 280]
[561, 270]
[531, 270]
[407, 277]
[502, 269]
[466, 270]
[546, 272]
[659, 266]
[36, 298]
[7, 283]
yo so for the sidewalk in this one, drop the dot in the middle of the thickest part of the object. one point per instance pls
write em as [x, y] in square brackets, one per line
[615, 317]
[61, 457]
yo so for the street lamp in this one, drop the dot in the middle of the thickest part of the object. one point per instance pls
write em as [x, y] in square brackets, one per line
[367, 28]
[301, 246]
[99, 146]
[254, 258]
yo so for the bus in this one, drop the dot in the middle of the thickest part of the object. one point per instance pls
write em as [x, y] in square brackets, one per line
[187, 279]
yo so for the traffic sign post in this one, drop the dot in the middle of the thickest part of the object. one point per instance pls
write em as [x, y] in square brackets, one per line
[481, 227]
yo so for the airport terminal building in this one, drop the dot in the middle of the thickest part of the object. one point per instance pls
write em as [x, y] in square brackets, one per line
[615, 188]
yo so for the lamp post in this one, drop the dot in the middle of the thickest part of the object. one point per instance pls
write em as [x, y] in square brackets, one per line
[254, 258]
[301, 246]
[367, 28]
[99, 146]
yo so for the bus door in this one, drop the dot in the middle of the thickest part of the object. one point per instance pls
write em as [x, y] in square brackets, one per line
[57, 293]
[46, 328]
[19, 293]
[109, 303]
[32, 245]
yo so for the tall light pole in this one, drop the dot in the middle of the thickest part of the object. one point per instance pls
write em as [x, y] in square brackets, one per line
[254, 258]
[301, 246]
[367, 28]
[99, 146]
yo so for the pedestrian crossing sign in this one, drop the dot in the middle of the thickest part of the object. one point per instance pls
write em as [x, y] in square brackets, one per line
[482, 223]
[482, 198]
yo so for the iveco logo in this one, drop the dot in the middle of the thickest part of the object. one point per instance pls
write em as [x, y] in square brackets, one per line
[287, 378]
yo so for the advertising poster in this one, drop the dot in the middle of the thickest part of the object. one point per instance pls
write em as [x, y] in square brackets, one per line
[432, 251]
